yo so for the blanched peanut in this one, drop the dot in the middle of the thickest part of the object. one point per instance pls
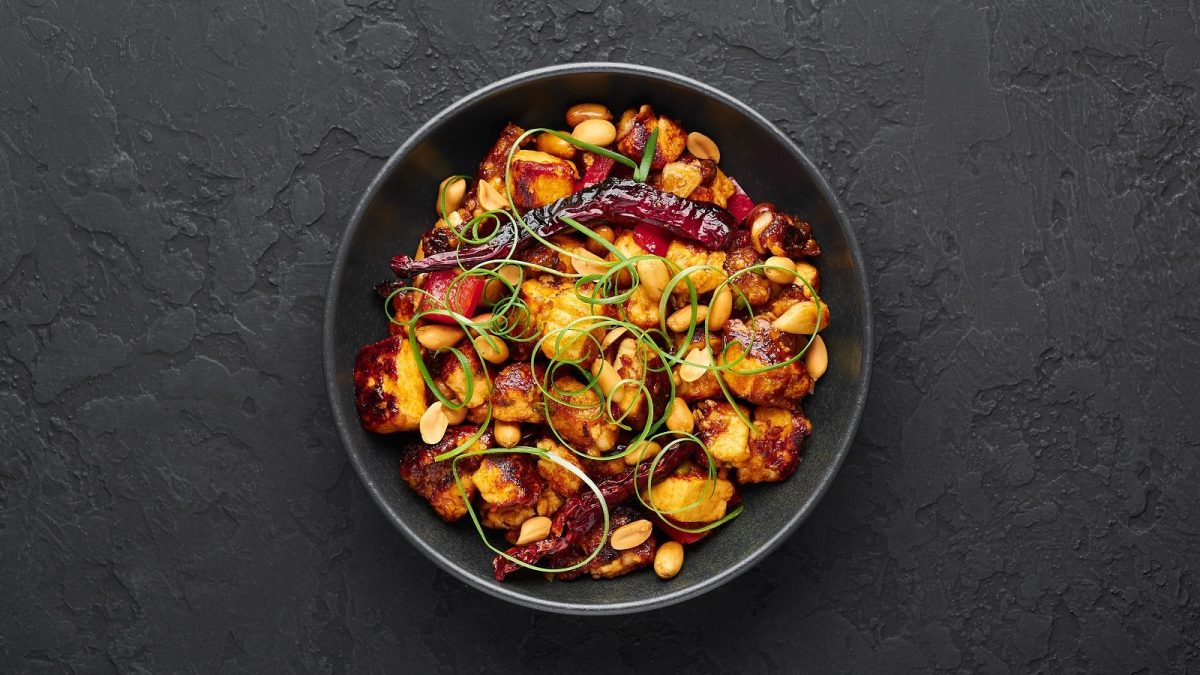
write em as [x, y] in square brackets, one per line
[433, 424]
[491, 348]
[722, 307]
[606, 376]
[490, 198]
[801, 318]
[581, 112]
[682, 318]
[434, 336]
[668, 560]
[758, 227]
[451, 191]
[595, 131]
[643, 451]
[536, 528]
[654, 277]
[703, 147]
[612, 336]
[508, 434]
[553, 145]
[697, 363]
[585, 262]
[816, 359]
[680, 418]
[780, 276]
[631, 535]
[454, 415]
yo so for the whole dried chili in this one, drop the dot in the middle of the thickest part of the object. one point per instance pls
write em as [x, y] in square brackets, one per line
[616, 200]
[581, 512]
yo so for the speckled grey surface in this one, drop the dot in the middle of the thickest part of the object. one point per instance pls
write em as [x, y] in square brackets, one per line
[1022, 496]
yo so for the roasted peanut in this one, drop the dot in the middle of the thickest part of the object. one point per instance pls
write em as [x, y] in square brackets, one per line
[508, 434]
[433, 424]
[682, 318]
[758, 227]
[581, 112]
[668, 560]
[801, 318]
[816, 359]
[631, 535]
[643, 451]
[585, 262]
[696, 364]
[780, 269]
[703, 147]
[496, 290]
[595, 131]
[553, 145]
[490, 198]
[536, 528]
[722, 307]
[606, 376]
[612, 336]
[491, 348]
[451, 191]
[808, 273]
[454, 415]
[654, 277]
[434, 336]
[680, 418]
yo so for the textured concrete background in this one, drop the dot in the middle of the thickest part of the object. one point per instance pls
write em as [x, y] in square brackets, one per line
[1023, 494]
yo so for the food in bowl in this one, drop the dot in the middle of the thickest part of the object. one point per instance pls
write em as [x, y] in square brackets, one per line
[600, 342]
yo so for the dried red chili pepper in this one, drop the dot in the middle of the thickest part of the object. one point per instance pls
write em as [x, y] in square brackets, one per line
[616, 200]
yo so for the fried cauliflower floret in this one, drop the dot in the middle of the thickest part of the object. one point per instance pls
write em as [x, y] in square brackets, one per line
[491, 169]
[754, 345]
[633, 132]
[690, 485]
[724, 433]
[508, 480]
[774, 445]
[452, 379]
[560, 479]
[741, 254]
[717, 191]
[404, 308]
[641, 311]
[638, 363]
[389, 391]
[516, 394]
[565, 320]
[680, 178]
[539, 178]
[579, 417]
[435, 480]
[685, 254]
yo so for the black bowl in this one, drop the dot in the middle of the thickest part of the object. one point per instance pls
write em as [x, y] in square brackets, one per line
[398, 207]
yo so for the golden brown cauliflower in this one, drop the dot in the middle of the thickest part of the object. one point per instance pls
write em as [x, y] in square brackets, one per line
[517, 394]
[633, 132]
[579, 417]
[707, 386]
[435, 480]
[508, 480]
[724, 433]
[686, 254]
[559, 478]
[690, 485]
[564, 317]
[389, 391]
[452, 379]
[539, 178]
[774, 445]
[762, 346]
[741, 254]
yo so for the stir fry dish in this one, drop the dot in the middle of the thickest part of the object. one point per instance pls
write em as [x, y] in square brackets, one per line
[599, 343]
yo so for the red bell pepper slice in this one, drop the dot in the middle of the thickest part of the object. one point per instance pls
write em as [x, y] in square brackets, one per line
[449, 289]
[652, 238]
[675, 533]
[739, 203]
[597, 170]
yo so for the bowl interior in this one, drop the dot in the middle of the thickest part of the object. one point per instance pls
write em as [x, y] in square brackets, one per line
[400, 206]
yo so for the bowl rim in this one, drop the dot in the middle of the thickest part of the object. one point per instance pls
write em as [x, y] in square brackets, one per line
[513, 593]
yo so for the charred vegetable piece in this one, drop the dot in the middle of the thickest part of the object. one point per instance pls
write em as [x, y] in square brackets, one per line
[652, 238]
[615, 200]
[598, 168]
[739, 204]
[581, 512]
[447, 290]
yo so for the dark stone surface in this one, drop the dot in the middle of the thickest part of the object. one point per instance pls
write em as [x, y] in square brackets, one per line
[1022, 495]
